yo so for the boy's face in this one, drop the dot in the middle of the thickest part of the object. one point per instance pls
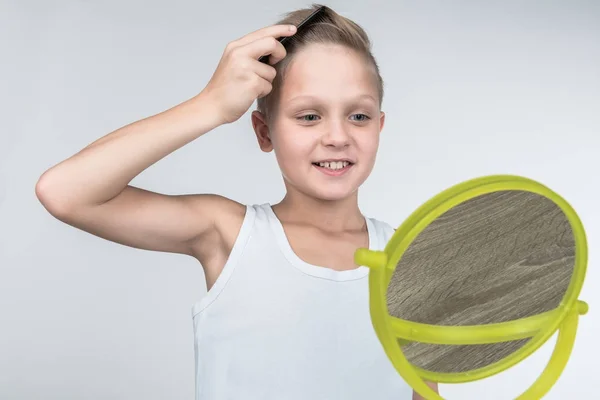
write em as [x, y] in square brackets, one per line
[326, 131]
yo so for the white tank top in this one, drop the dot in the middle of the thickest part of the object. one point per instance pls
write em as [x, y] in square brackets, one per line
[275, 327]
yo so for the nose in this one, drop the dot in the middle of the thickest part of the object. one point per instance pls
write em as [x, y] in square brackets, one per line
[336, 135]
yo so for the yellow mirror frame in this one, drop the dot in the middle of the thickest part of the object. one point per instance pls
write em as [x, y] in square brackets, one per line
[394, 332]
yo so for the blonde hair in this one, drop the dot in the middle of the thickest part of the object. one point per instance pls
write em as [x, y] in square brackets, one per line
[331, 28]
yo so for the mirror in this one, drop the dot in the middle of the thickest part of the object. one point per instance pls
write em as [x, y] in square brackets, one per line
[498, 257]
[477, 279]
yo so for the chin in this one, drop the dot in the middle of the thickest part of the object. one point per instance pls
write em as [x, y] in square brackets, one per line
[316, 187]
[332, 194]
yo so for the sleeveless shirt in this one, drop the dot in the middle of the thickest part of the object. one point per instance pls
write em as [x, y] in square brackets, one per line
[275, 327]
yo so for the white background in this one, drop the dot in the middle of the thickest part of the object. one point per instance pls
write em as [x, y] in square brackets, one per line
[472, 88]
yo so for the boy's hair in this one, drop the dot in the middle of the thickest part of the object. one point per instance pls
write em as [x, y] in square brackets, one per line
[331, 28]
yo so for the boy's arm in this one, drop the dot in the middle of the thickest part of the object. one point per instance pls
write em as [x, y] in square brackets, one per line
[91, 190]
[432, 385]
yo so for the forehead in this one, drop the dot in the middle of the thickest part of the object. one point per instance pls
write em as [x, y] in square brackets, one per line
[329, 72]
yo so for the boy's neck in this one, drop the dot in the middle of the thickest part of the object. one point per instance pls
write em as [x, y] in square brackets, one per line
[333, 216]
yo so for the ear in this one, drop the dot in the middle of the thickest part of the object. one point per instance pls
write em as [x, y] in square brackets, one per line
[381, 121]
[261, 129]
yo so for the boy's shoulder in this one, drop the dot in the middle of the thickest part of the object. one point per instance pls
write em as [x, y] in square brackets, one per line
[382, 224]
[383, 230]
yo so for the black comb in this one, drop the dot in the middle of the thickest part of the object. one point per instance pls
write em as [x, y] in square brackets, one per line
[304, 23]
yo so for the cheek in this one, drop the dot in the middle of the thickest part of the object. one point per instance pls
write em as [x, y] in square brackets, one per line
[293, 143]
[368, 143]
[293, 149]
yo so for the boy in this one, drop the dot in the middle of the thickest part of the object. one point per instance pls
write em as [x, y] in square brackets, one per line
[286, 315]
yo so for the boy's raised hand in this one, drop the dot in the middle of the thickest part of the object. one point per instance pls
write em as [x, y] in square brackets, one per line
[240, 78]
[92, 192]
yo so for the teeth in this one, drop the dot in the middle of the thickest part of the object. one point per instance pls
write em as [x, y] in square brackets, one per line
[334, 165]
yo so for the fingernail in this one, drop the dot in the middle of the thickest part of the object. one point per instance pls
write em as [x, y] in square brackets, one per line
[292, 28]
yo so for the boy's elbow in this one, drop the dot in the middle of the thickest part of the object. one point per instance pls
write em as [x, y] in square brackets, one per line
[50, 198]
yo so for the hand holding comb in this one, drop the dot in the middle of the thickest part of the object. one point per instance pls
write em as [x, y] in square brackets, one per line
[314, 17]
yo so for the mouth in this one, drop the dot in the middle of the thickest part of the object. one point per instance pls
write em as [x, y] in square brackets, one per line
[333, 164]
[333, 167]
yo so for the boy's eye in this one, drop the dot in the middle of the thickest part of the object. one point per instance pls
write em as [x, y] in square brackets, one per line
[309, 117]
[362, 118]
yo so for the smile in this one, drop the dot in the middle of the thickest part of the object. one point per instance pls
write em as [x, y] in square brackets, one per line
[333, 168]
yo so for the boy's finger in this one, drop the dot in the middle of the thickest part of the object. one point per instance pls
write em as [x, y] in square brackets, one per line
[265, 47]
[265, 71]
[272, 31]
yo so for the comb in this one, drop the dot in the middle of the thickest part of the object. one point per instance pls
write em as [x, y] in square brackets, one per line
[313, 17]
